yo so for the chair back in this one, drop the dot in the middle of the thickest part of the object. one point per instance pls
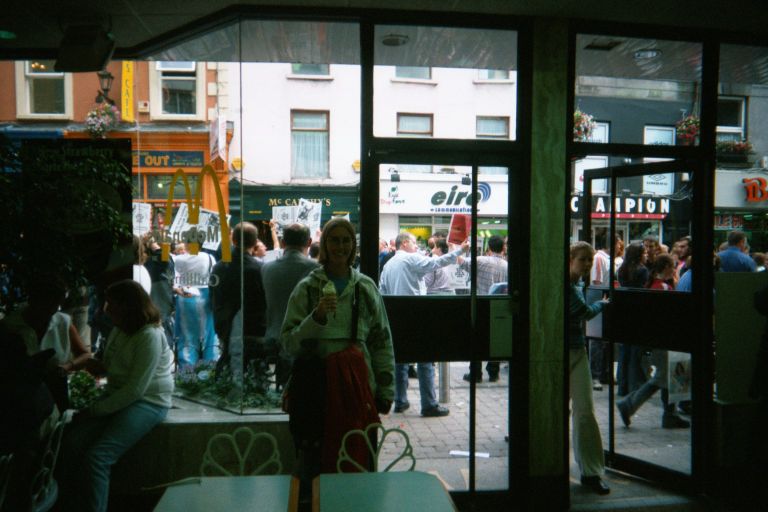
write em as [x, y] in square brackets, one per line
[44, 490]
[397, 436]
[238, 453]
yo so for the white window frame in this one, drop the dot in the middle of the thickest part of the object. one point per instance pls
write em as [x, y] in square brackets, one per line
[23, 107]
[741, 131]
[670, 130]
[327, 131]
[155, 93]
[431, 118]
[504, 119]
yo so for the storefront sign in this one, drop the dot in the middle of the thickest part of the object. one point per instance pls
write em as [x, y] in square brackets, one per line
[636, 207]
[660, 184]
[168, 158]
[742, 190]
[755, 189]
[196, 236]
[441, 197]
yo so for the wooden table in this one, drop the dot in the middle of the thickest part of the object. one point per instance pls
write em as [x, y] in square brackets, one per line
[268, 493]
[396, 491]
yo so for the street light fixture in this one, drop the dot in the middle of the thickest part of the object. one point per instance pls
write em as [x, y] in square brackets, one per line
[105, 83]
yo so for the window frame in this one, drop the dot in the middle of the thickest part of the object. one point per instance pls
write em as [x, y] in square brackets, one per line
[414, 78]
[733, 129]
[429, 134]
[481, 78]
[23, 96]
[327, 131]
[156, 88]
[505, 119]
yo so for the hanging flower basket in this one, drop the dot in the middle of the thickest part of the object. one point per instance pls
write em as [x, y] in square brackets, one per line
[687, 131]
[583, 126]
[103, 118]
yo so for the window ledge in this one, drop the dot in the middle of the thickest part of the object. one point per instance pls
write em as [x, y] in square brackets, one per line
[177, 117]
[46, 117]
[318, 78]
[419, 81]
[495, 82]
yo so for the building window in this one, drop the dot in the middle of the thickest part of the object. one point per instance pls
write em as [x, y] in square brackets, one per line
[413, 72]
[158, 187]
[414, 125]
[492, 127]
[177, 90]
[42, 92]
[731, 114]
[493, 74]
[310, 69]
[659, 135]
[309, 144]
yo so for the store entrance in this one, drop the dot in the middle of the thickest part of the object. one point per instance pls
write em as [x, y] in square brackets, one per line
[465, 311]
[649, 349]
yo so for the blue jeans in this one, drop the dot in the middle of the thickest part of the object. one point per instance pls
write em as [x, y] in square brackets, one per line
[194, 326]
[426, 373]
[92, 446]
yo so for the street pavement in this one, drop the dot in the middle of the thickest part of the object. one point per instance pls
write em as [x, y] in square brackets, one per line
[440, 445]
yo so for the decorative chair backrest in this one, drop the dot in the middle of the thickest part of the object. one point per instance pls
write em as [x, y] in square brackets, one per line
[43, 489]
[375, 451]
[234, 454]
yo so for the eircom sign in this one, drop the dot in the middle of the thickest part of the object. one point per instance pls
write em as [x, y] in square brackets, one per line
[194, 237]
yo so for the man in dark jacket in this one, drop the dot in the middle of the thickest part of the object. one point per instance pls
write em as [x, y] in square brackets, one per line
[225, 282]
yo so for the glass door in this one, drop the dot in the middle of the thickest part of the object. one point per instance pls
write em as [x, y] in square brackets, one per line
[645, 347]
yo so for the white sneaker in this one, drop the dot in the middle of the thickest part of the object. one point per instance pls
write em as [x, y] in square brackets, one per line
[596, 385]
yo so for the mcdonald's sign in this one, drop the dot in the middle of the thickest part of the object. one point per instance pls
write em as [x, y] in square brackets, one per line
[194, 212]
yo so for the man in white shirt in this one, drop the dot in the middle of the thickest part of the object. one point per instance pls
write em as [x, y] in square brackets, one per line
[600, 275]
[404, 275]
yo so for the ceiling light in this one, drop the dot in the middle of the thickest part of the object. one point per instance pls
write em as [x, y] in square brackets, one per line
[647, 53]
[394, 40]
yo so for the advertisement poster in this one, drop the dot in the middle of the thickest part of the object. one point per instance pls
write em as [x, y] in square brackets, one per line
[679, 376]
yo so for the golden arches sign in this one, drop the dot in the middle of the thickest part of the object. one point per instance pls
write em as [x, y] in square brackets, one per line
[194, 211]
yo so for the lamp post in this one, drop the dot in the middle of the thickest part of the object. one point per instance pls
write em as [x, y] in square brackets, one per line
[105, 84]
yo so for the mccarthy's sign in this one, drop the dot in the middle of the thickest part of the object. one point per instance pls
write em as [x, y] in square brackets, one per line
[196, 236]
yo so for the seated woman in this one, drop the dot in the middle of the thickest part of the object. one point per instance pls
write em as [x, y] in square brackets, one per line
[337, 314]
[42, 326]
[137, 363]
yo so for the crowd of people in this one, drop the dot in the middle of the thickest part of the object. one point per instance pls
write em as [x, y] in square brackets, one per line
[320, 324]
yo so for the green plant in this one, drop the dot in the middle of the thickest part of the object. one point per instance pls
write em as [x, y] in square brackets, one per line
[203, 381]
[83, 390]
[687, 129]
[734, 147]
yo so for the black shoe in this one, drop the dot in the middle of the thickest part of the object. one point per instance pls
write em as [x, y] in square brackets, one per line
[412, 372]
[435, 412]
[674, 421]
[624, 413]
[684, 407]
[402, 408]
[595, 484]
[493, 378]
[479, 378]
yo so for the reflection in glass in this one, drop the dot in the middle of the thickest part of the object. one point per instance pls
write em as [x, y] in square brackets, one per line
[632, 83]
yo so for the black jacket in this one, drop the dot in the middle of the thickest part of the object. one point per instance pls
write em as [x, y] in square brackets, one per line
[225, 295]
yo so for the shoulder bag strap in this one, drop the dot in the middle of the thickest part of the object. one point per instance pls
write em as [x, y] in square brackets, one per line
[355, 312]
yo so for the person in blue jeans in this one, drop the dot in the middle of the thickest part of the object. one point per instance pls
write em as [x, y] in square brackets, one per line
[137, 362]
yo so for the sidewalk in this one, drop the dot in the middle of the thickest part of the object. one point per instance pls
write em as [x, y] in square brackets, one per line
[433, 439]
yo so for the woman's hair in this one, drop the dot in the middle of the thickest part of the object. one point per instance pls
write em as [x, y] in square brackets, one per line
[330, 226]
[578, 247]
[633, 256]
[660, 264]
[135, 305]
